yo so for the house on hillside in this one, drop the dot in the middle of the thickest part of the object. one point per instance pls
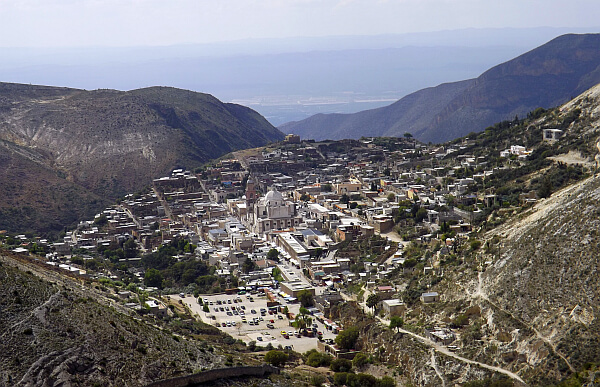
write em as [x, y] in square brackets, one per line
[393, 307]
[552, 135]
[427, 298]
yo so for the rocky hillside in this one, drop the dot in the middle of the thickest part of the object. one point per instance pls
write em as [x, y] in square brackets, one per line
[542, 285]
[544, 77]
[106, 143]
[56, 332]
[545, 280]
[527, 301]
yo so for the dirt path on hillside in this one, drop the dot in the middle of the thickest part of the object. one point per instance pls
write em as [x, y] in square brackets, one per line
[480, 294]
[441, 349]
[573, 158]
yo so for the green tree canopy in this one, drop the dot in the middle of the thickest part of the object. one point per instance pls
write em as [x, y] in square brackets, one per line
[396, 322]
[372, 300]
[360, 360]
[130, 248]
[341, 365]
[306, 298]
[347, 338]
[276, 358]
[249, 265]
[153, 277]
[421, 214]
[304, 197]
[273, 255]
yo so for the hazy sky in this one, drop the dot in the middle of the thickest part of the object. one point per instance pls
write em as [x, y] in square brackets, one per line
[51, 23]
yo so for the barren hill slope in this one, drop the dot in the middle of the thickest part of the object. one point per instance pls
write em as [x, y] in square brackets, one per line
[539, 294]
[111, 142]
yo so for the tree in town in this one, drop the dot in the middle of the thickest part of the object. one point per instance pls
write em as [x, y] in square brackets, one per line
[154, 278]
[130, 248]
[273, 255]
[396, 322]
[303, 320]
[249, 265]
[372, 301]
[306, 298]
[421, 214]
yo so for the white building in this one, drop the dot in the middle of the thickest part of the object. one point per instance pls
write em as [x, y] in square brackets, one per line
[273, 212]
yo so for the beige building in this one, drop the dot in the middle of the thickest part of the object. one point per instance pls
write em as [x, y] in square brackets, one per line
[393, 307]
[347, 188]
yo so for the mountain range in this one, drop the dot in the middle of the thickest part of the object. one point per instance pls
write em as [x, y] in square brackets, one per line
[69, 151]
[544, 77]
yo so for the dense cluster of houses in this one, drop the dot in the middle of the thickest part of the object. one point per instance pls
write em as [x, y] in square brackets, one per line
[299, 197]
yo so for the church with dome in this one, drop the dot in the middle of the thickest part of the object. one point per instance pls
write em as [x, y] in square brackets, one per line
[273, 212]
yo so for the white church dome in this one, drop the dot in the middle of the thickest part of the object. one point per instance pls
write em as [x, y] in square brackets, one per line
[273, 198]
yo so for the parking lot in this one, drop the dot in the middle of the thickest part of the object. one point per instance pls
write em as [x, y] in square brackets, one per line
[237, 314]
